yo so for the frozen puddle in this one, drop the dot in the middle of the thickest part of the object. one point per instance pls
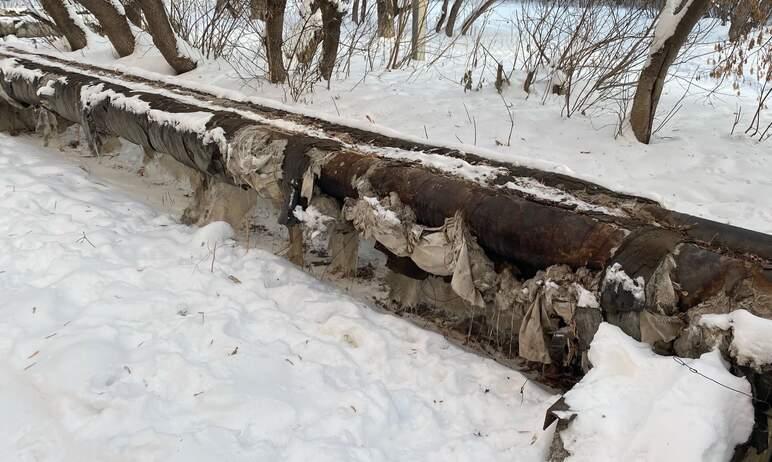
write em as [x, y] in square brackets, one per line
[127, 336]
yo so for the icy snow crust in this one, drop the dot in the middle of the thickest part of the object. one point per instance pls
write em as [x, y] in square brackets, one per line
[123, 336]
[635, 405]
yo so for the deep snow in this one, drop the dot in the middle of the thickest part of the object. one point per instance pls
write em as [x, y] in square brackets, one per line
[126, 336]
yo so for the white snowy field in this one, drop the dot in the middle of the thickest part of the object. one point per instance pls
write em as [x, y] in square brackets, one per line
[127, 336]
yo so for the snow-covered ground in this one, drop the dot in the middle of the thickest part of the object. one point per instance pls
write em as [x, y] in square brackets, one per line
[127, 336]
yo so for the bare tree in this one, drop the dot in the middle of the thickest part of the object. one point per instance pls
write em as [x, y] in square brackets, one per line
[258, 9]
[273, 39]
[418, 45]
[70, 27]
[674, 24]
[355, 12]
[479, 11]
[164, 37]
[452, 17]
[113, 20]
[332, 17]
[133, 11]
[443, 15]
[385, 18]
[744, 15]
[321, 23]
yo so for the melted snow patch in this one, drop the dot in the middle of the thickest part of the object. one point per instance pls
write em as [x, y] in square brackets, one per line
[751, 336]
[637, 405]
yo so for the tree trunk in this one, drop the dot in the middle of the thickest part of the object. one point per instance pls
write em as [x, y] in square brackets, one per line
[385, 18]
[274, 37]
[401, 26]
[419, 30]
[355, 12]
[114, 24]
[664, 50]
[331, 22]
[258, 9]
[133, 12]
[741, 21]
[164, 37]
[452, 17]
[443, 15]
[69, 27]
[363, 11]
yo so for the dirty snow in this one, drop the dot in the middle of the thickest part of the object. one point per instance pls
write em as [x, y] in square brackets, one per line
[751, 336]
[127, 336]
[637, 405]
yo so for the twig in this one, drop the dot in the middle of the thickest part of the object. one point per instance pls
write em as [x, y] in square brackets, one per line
[85, 239]
[214, 252]
[336, 105]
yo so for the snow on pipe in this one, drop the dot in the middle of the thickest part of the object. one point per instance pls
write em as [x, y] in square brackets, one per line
[652, 274]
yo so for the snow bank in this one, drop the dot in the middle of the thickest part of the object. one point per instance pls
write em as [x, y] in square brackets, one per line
[637, 405]
[121, 338]
[751, 336]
